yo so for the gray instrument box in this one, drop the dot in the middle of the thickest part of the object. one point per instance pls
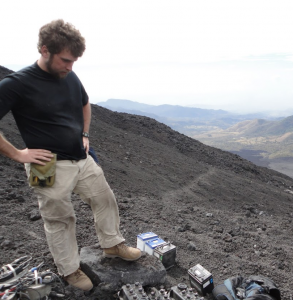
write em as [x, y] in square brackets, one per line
[167, 254]
[201, 279]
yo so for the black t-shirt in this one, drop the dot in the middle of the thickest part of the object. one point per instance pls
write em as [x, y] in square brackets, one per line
[48, 111]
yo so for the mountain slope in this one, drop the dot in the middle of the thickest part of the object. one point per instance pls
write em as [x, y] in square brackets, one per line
[260, 127]
[4, 71]
[219, 210]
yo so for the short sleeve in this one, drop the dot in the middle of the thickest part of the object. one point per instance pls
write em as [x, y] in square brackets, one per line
[10, 95]
[85, 97]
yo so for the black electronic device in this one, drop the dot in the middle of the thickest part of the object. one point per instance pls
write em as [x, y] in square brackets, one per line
[201, 279]
[167, 254]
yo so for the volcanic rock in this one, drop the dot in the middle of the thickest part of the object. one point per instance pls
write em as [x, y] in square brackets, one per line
[109, 275]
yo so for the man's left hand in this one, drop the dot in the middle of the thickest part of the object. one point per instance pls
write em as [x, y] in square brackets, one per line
[86, 144]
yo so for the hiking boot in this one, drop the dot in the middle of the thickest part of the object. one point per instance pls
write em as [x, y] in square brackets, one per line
[80, 280]
[123, 251]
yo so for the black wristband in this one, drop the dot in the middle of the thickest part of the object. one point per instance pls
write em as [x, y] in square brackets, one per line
[86, 134]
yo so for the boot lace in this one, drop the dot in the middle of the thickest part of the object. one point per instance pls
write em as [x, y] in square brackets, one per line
[122, 247]
[77, 274]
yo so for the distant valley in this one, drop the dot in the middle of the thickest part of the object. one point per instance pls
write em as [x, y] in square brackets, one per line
[265, 143]
[265, 140]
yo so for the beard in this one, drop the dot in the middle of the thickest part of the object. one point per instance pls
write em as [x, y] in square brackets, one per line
[52, 71]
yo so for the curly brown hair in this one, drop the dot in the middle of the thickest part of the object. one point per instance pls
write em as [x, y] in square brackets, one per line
[58, 35]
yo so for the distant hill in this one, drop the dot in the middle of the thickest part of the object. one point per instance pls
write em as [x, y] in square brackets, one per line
[264, 142]
[250, 127]
[187, 120]
[165, 110]
[260, 127]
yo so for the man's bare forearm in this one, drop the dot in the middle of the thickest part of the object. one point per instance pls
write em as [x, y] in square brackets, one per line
[87, 117]
[7, 149]
[37, 156]
[86, 124]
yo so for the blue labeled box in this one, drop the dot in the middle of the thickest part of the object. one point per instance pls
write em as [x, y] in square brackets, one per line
[143, 238]
[152, 244]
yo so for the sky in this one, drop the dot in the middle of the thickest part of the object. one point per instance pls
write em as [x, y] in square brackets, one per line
[234, 55]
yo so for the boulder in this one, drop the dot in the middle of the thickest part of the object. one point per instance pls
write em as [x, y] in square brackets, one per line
[110, 274]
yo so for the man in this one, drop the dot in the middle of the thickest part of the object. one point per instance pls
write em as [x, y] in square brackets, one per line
[53, 113]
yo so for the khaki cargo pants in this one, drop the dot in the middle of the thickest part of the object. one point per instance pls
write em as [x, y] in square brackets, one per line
[86, 178]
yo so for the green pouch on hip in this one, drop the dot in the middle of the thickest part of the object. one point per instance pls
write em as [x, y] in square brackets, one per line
[43, 175]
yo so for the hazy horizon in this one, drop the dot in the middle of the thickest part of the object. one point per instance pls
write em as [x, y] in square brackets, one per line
[271, 113]
[230, 55]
